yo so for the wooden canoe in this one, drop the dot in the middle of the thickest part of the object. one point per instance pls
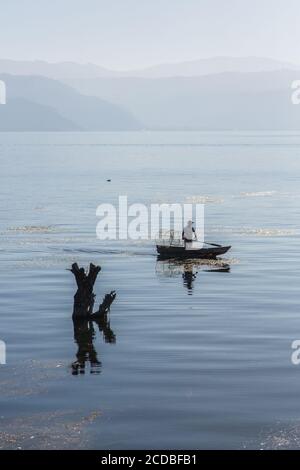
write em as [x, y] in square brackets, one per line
[180, 252]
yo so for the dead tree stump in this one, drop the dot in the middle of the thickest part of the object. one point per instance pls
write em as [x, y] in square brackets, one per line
[84, 298]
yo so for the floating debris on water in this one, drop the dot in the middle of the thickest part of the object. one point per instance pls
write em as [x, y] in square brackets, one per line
[33, 229]
[48, 430]
[204, 200]
[279, 438]
[267, 232]
[258, 194]
[263, 232]
[30, 378]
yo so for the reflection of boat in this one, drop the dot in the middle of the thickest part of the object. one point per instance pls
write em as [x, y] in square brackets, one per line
[188, 269]
[175, 267]
[173, 251]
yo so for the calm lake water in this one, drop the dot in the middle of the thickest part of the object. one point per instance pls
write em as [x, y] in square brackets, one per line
[198, 362]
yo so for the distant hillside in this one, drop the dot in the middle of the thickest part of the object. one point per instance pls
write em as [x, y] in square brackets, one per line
[51, 105]
[213, 65]
[193, 68]
[245, 101]
[25, 116]
[54, 70]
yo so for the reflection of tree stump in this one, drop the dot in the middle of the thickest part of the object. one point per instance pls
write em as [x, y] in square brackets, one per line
[84, 335]
[84, 298]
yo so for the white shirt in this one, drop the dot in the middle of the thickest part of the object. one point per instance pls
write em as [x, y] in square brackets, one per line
[188, 232]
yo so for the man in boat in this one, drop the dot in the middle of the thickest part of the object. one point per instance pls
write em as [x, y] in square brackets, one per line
[189, 233]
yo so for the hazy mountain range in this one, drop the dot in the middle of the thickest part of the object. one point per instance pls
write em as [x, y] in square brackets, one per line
[36, 103]
[218, 93]
[65, 70]
[256, 100]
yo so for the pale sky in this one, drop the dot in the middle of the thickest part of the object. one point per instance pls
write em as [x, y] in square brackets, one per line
[125, 34]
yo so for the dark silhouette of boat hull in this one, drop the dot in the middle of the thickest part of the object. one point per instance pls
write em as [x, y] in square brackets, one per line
[181, 252]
